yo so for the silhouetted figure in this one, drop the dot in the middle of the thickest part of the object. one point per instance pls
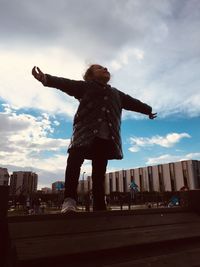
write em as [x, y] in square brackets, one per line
[36, 205]
[96, 128]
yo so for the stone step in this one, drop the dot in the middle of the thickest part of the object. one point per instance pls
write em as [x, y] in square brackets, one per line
[89, 237]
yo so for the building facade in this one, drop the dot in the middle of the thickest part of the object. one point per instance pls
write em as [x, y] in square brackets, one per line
[84, 186]
[172, 176]
[4, 176]
[23, 183]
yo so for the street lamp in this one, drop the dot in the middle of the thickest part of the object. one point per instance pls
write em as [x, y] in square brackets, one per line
[82, 182]
[83, 188]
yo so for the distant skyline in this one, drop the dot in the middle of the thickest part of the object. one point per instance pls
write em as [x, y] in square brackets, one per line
[151, 48]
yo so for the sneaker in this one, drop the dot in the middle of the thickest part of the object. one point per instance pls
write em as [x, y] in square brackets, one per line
[69, 205]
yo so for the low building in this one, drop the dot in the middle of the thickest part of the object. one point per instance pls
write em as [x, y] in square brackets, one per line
[161, 178]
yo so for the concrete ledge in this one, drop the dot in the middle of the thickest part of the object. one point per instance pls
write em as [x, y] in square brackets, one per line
[59, 238]
[96, 214]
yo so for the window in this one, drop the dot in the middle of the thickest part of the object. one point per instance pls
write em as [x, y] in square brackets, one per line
[117, 184]
[172, 176]
[124, 184]
[197, 168]
[150, 179]
[110, 185]
[111, 182]
[161, 180]
[132, 175]
[124, 181]
[141, 179]
[185, 173]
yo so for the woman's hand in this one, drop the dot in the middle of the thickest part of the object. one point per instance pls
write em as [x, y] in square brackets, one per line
[39, 75]
[152, 116]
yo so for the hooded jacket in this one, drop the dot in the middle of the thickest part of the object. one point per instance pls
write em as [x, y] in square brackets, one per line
[97, 103]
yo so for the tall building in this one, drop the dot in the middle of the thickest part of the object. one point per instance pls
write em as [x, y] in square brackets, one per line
[58, 186]
[4, 176]
[23, 183]
[172, 176]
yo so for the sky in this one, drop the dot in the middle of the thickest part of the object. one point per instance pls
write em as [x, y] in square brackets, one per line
[152, 49]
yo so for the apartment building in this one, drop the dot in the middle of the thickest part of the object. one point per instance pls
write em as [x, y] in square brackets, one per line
[23, 182]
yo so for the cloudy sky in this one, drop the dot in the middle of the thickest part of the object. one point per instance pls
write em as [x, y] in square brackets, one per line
[151, 47]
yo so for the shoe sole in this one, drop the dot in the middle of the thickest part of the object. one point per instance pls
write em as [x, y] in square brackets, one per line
[68, 211]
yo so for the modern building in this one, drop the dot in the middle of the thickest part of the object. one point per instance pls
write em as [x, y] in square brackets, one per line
[23, 183]
[58, 186]
[173, 176]
[4, 176]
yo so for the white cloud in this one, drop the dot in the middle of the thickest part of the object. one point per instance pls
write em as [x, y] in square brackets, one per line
[134, 149]
[24, 139]
[153, 53]
[125, 56]
[164, 141]
[26, 145]
[19, 88]
[166, 158]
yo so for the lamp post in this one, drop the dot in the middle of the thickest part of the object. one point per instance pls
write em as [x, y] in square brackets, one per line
[83, 188]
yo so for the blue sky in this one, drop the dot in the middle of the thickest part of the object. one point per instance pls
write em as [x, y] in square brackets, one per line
[151, 47]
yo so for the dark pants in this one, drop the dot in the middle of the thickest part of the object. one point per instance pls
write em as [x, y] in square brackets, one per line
[99, 164]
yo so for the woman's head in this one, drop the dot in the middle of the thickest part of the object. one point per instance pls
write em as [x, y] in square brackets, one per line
[98, 73]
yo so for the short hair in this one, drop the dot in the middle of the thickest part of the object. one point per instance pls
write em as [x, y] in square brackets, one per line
[89, 73]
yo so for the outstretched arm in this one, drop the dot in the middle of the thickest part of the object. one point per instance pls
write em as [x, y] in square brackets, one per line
[130, 103]
[39, 75]
[71, 87]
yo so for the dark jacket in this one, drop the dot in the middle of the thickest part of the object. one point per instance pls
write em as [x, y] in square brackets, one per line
[97, 103]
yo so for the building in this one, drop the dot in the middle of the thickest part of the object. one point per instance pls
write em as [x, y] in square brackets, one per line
[4, 176]
[84, 186]
[46, 190]
[58, 186]
[23, 183]
[172, 176]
